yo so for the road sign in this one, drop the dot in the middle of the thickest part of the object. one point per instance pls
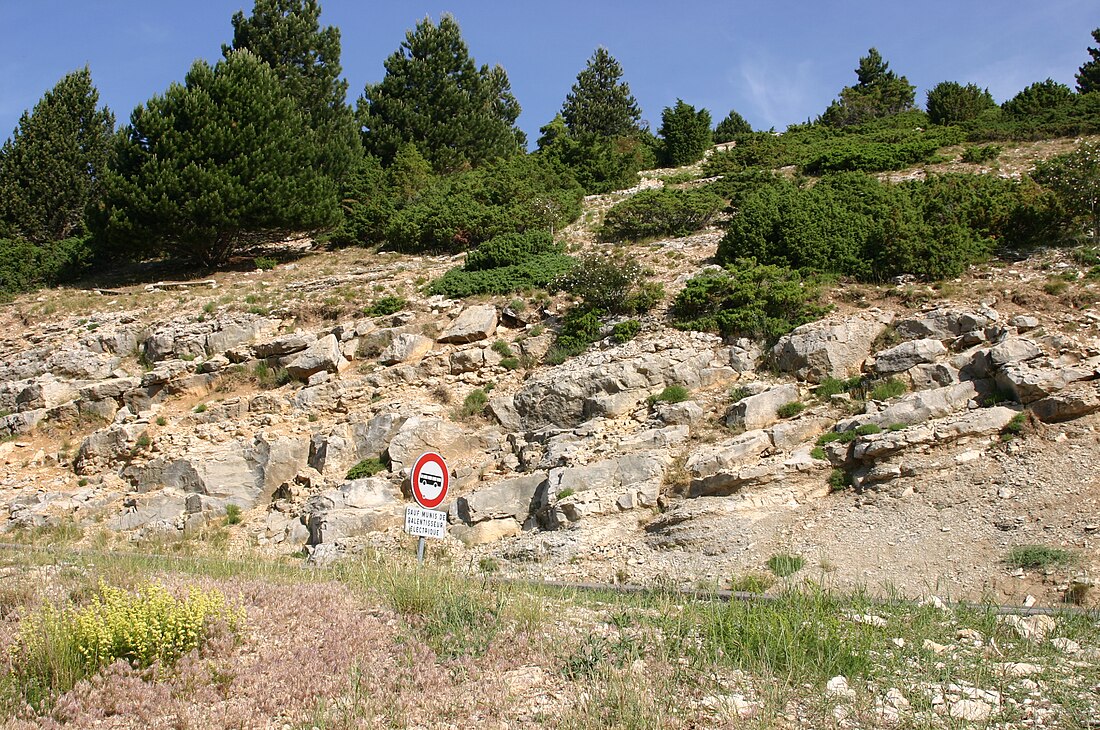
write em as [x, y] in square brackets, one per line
[422, 522]
[430, 480]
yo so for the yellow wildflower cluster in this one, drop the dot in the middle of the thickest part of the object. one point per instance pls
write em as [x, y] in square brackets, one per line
[146, 625]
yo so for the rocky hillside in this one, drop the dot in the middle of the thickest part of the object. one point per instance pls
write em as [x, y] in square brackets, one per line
[149, 411]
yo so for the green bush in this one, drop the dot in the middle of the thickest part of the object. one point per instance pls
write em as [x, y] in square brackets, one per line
[386, 306]
[748, 300]
[232, 514]
[538, 272]
[949, 102]
[984, 153]
[1039, 556]
[685, 134]
[751, 583]
[671, 394]
[367, 468]
[625, 331]
[839, 480]
[789, 410]
[580, 327]
[887, 389]
[25, 266]
[510, 249]
[501, 348]
[474, 404]
[265, 263]
[660, 212]
[611, 285]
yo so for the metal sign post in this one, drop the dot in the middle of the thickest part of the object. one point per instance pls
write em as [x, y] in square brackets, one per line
[430, 480]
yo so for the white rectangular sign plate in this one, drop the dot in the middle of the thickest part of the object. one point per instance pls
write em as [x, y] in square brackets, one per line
[422, 522]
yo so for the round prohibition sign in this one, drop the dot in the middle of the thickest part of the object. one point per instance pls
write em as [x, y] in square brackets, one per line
[430, 480]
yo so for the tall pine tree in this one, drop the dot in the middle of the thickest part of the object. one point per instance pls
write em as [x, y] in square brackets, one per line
[1088, 76]
[50, 169]
[685, 133]
[215, 164]
[600, 102]
[879, 92]
[433, 95]
[287, 35]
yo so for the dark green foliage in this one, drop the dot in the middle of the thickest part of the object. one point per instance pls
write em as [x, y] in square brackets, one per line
[25, 265]
[879, 92]
[537, 272]
[600, 103]
[985, 153]
[51, 167]
[214, 165]
[1038, 100]
[890, 143]
[385, 306]
[839, 480]
[611, 285]
[854, 225]
[599, 164]
[367, 468]
[1016, 426]
[459, 211]
[625, 331]
[508, 263]
[1039, 556]
[510, 249]
[685, 134]
[433, 94]
[730, 128]
[887, 389]
[1088, 76]
[287, 35]
[790, 410]
[748, 300]
[1075, 179]
[671, 394]
[949, 102]
[660, 212]
[473, 404]
[580, 327]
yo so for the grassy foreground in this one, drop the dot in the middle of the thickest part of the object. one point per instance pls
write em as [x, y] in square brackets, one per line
[377, 642]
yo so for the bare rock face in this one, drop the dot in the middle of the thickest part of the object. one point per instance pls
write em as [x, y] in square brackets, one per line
[406, 347]
[323, 355]
[613, 485]
[714, 468]
[917, 407]
[1028, 384]
[760, 410]
[947, 322]
[426, 433]
[830, 348]
[354, 508]
[514, 499]
[1079, 399]
[107, 447]
[473, 324]
[285, 345]
[907, 355]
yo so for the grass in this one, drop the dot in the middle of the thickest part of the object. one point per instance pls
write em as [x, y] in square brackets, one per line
[839, 480]
[1039, 557]
[785, 565]
[473, 405]
[887, 389]
[624, 660]
[790, 410]
[232, 514]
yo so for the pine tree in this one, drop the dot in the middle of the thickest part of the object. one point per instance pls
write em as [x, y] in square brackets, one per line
[729, 128]
[1038, 99]
[879, 92]
[434, 95]
[50, 168]
[287, 35]
[685, 132]
[215, 164]
[600, 103]
[1088, 76]
[950, 103]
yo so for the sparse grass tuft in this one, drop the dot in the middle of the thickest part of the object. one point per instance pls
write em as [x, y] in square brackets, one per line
[785, 564]
[1039, 557]
[671, 394]
[232, 514]
[789, 410]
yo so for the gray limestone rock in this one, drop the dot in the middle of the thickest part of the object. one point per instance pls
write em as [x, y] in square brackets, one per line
[406, 347]
[907, 355]
[473, 324]
[830, 348]
[516, 498]
[1076, 400]
[323, 355]
[758, 411]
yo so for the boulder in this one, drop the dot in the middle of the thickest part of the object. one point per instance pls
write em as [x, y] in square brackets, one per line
[687, 413]
[946, 323]
[606, 486]
[427, 433]
[108, 447]
[1027, 384]
[285, 345]
[711, 466]
[1024, 323]
[758, 411]
[514, 498]
[1076, 400]
[355, 507]
[830, 348]
[1013, 350]
[789, 435]
[907, 355]
[917, 407]
[45, 392]
[406, 347]
[473, 359]
[503, 409]
[980, 422]
[323, 355]
[473, 324]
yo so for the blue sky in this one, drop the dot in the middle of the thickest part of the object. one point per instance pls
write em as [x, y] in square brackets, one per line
[777, 62]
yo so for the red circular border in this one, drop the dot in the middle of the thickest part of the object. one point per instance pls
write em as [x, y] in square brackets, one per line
[414, 478]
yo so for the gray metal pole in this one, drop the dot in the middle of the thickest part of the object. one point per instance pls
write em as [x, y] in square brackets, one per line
[420, 551]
